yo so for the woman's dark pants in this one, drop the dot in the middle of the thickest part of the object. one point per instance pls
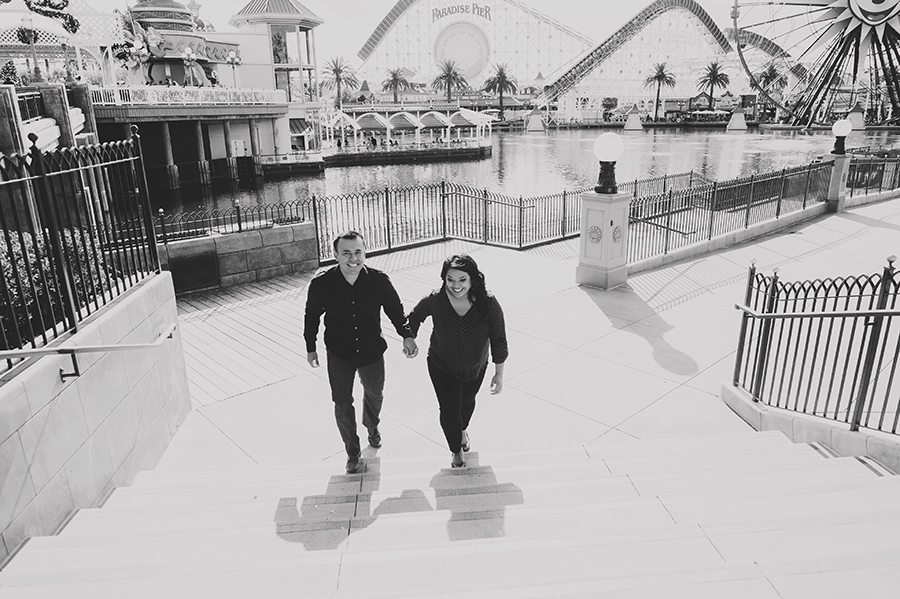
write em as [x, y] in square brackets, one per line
[457, 400]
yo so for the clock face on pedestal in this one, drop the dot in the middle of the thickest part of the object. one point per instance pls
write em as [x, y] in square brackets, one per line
[466, 44]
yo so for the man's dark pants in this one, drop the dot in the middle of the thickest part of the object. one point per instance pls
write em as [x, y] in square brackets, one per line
[341, 375]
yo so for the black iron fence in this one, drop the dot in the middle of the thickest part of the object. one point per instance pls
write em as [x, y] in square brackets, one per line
[75, 232]
[662, 222]
[873, 174]
[827, 348]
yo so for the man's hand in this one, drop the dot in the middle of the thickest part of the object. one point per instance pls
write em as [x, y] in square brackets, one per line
[410, 348]
[313, 359]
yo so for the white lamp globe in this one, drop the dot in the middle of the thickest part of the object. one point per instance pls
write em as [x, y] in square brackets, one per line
[608, 147]
[232, 54]
[842, 128]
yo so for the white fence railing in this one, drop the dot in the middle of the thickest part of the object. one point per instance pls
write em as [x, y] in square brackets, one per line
[147, 95]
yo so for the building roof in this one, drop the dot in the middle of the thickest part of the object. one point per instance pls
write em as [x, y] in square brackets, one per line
[276, 11]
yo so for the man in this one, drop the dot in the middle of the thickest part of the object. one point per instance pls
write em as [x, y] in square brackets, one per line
[352, 296]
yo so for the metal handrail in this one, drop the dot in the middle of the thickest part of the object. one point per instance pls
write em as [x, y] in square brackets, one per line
[73, 351]
[850, 314]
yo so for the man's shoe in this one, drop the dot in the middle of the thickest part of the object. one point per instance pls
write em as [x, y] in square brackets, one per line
[374, 437]
[354, 465]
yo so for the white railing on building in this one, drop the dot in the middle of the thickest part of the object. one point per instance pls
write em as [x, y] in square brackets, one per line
[147, 95]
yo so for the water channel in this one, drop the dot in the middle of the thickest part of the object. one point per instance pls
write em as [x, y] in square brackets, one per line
[531, 164]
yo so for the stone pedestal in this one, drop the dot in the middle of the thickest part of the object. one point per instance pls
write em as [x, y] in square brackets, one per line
[857, 117]
[602, 259]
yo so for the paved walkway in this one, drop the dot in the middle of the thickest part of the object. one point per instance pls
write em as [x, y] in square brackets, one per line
[586, 367]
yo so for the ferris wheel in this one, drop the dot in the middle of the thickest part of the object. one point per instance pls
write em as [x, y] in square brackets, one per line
[812, 61]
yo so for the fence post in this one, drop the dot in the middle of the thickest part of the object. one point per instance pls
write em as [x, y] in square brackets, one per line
[521, 218]
[665, 182]
[162, 225]
[485, 215]
[315, 212]
[237, 211]
[883, 172]
[887, 278]
[749, 203]
[387, 214]
[47, 216]
[735, 379]
[781, 194]
[562, 228]
[762, 353]
[443, 209]
[668, 223]
[712, 208]
[806, 191]
[144, 192]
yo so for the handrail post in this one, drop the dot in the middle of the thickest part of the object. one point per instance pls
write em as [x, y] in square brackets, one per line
[144, 191]
[49, 221]
[887, 278]
[749, 203]
[387, 214]
[883, 171]
[712, 208]
[521, 219]
[315, 213]
[808, 175]
[237, 212]
[668, 223]
[745, 317]
[762, 353]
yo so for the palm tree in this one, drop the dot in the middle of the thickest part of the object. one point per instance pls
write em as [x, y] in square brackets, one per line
[770, 79]
[338, 72]
[712, 78]
[659, 78]
[449, 78]
[395, 82]
[500, 82]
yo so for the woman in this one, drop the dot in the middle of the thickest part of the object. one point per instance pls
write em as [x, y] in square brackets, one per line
[467, 321]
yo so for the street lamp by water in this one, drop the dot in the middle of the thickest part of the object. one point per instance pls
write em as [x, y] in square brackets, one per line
[28, 26]
[608, 148]
[234, 60]
[841, 129]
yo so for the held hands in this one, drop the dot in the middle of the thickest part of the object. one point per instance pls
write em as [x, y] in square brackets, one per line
[410, 348]
[313, 359]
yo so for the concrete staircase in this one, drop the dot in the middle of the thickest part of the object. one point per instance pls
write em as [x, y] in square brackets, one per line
[720, 516]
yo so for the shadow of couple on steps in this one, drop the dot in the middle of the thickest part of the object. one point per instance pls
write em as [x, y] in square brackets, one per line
[476, 502]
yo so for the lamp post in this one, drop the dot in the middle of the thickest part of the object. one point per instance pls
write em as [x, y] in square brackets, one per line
[189, 59]
[841, 129]
[28, 27]
[234, 60]
[64, 40]
[608, 148]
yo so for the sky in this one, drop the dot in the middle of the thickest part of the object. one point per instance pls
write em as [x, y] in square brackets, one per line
[348, 23]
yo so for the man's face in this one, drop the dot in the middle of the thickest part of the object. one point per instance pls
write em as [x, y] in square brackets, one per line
[350, 255]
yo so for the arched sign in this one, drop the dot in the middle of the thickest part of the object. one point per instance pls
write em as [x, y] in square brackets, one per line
[466, 44]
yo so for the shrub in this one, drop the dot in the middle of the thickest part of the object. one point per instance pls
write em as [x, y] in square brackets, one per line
[31, 304]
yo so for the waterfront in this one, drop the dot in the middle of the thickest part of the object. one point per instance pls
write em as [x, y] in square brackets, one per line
[531, 164]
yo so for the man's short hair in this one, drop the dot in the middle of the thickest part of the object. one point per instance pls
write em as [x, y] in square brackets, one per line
[349, 236]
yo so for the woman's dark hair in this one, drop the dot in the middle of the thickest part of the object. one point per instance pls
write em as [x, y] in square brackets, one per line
[478, 292]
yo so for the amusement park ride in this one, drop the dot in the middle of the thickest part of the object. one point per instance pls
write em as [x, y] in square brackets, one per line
[822, 57]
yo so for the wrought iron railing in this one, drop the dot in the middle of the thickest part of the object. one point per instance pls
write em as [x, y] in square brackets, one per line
[873, 174]
[75, 232]
[680, 216]
[828, 348]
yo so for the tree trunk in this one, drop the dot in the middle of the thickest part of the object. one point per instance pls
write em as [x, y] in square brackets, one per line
[501, 104]
[710, 96]
[656, 106]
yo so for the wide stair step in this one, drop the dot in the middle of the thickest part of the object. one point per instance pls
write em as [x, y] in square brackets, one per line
[715, 516]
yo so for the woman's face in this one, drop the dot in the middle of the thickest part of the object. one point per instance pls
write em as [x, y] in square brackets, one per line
[457, 283]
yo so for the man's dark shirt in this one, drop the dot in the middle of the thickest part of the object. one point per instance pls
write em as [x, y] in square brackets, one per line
[352, 314]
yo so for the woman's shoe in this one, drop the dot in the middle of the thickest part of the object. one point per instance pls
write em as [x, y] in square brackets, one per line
[458, 460]
[465, 441]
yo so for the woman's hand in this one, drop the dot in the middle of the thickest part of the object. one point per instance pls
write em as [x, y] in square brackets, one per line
[497, 383]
